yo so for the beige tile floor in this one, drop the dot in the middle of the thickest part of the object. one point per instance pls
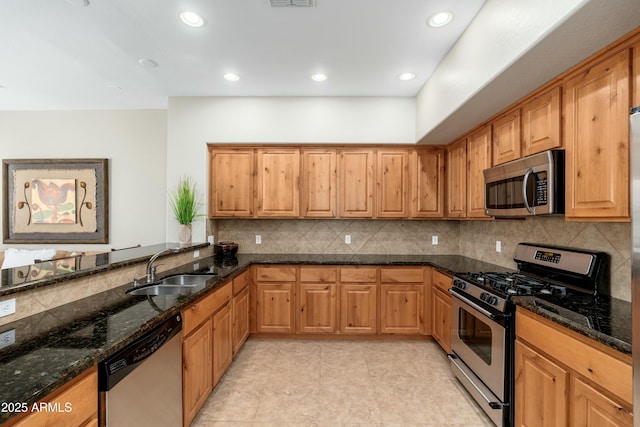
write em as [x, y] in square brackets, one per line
[339, 383]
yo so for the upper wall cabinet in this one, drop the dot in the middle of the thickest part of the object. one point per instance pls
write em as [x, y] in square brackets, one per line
[478, 159]
[506, 137]
[278, 182]
[541, 123]
[457, 179]
[427, 183]
[318, 186]
[392, 184]
[596, 134]
[356, 183]
[230, 182]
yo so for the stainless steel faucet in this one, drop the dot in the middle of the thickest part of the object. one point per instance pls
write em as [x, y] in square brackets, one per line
[151, 269]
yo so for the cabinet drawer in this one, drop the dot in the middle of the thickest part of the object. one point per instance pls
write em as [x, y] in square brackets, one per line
[441, 281]
[402, 275]
[240, 282]
[607, 368]
[358, 275]
[318, 275]
[276, 274]
[198, 312]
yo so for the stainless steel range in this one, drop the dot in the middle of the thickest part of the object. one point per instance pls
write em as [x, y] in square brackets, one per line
[483, 316]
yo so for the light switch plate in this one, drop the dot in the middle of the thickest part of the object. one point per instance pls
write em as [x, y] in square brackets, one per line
[258, 239]
[347, 239]
[7, 307]
[196, 266]
[498, 246]
[211, 239]
[434, 240]
[196, 254]
[7, 338]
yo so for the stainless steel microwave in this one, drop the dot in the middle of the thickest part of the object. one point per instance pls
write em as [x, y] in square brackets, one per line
[533, 185]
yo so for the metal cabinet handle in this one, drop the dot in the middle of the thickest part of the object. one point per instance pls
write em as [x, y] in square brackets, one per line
[524, 190]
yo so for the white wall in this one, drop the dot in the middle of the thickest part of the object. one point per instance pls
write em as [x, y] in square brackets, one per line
[134, 141]
[195, 121]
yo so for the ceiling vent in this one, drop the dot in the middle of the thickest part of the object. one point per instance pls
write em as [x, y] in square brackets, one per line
[291, 3]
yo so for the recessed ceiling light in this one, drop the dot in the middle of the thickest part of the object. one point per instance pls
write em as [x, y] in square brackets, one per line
[319, 77]
[191, 19]
[78, 3]
[231, 77]
[440, 19]
[407, 76]
[147, 63]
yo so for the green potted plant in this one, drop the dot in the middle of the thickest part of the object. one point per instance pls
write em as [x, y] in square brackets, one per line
[185, 203]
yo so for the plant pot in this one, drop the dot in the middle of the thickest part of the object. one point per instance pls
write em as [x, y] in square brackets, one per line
[185, 235]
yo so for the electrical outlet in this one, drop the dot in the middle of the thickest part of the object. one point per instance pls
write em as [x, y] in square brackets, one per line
[7, 338]
[498, 246]
[7, 307]
[196, 254]
[211, 239]
[434, 240]
[347, 239]
[258, 239]
[196, 266]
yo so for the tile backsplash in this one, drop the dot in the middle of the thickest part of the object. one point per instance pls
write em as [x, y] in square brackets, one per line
[474, 239]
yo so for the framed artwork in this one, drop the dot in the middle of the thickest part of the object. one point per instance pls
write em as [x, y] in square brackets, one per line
[55, 201]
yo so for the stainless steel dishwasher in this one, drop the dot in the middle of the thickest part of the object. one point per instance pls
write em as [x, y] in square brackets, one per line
[141, 385]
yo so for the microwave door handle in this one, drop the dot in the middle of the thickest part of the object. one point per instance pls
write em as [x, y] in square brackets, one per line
[524, 190]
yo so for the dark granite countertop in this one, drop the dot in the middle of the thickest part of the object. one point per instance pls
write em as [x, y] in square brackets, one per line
[55, 346]
[603, 319]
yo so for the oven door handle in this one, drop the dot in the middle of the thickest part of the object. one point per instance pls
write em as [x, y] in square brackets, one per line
[492, 405]
[476, 306]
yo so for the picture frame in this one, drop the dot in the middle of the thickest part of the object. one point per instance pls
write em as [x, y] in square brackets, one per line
[55, 200]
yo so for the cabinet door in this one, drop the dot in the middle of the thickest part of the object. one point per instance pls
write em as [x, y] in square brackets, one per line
[222, 342]
[358, 305]
[197, 380]
[355, 183]
[591, 408]
[392, 183]
[240, 311]
[275, 303]
[319, 178]
[230, 182]
[478, 159]
[278, 182]
[541, 390]
[401, 309]
[506, 138]
[427, 183]
[441, 320]
[317, 308]
[596, 109]
[541, 123]
[457, 179]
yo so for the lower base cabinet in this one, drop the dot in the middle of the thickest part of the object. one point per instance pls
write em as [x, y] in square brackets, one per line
[441, 320]
[358, 306]
[240, 310]
[197, 362]
[275, 305]
[222, 342]
[317, 308]
[401, 309]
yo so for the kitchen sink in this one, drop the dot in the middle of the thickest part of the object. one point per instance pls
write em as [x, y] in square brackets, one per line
[173, 285]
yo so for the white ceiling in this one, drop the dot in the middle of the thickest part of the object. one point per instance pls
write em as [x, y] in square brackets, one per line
[55, 55]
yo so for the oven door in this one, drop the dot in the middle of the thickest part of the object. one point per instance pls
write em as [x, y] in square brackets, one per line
[479, 340]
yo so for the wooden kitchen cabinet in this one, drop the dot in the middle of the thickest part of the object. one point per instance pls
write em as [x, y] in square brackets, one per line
[457, 179]
[356, 178]
[402, 300]
[81, 393]
[197, 368]
[240, 309]
[278, 182]
[392, 183]
[441, 310]
[564, 378]
[318, 300]
[478, 159]
[541, 119]
[541, 390]
[275, 299]
[222, 341]
[427, 183]
[506, 138]
[358, 301]
[596, 135]
[231, 178]
[319, 183]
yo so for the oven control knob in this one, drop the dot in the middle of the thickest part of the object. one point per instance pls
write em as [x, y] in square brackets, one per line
[488, 298]
[457, 283]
